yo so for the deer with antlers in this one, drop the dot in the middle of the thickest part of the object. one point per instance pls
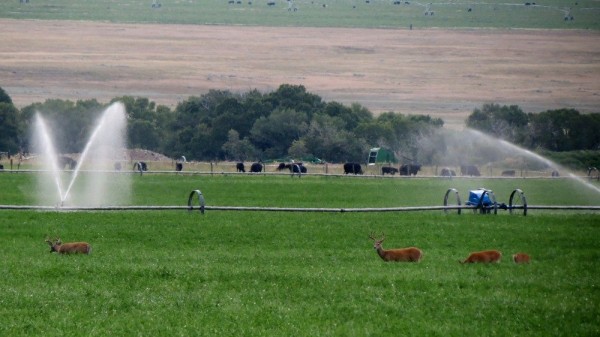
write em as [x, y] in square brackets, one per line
[69, 248]
[486, 256]
[411, 254]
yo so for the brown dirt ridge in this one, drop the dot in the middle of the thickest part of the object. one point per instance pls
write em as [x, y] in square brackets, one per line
[443, 73]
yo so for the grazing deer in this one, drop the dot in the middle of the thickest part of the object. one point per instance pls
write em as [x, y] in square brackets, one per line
[411, 254]
[69, 248]
[521, 258]
[487, 256]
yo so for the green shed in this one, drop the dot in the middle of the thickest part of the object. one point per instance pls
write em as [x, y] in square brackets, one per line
[380, 155]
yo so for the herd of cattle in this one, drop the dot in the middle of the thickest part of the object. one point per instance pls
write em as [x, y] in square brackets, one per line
[65, 162]
[356, 168]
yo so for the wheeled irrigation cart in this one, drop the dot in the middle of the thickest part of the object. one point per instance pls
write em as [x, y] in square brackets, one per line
[483, 201]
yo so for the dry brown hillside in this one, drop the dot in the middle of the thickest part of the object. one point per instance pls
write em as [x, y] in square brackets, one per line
[445, 73]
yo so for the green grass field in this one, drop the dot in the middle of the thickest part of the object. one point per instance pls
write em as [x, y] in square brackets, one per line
[342, 13]
[179, 273]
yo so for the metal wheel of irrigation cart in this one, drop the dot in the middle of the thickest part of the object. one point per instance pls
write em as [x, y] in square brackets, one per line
[483, 201]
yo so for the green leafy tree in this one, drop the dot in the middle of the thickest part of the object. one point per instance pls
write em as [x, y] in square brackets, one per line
[401, 134]
[505, 122]
[327, 139]
[230, 115]
[564, 130]
[238, 149]
[147, 123]
[10, 128]
[192, 124]
[295, 97]
[299, 150]
[587, 137]
[274, 134]
[4, 97]
[351, 116]
[71, 122]
[143, 134]
[374, 133]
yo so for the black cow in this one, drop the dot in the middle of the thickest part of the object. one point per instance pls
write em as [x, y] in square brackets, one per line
[256, 167]
[591, 171]
[140, 166]
[389, 170]
[446, 172]
[469, 170]
[409, 169]
[353, 168]
[298, 168]
[67, 162]
[178, 167]
[240, 167]
[508, 173]
[293, 167]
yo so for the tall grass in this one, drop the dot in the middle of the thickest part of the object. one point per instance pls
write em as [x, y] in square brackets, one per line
[180, 273]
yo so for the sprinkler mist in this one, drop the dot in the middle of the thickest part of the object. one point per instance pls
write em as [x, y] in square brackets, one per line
[96, 185]
[524, 152]
[473, 147]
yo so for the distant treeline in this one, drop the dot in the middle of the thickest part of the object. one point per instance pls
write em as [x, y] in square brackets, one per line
[288, 123]
[220, 125]
[553, 130]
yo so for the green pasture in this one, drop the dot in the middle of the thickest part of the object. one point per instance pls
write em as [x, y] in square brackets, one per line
[283, 190]
[324, 13]
[230, 273]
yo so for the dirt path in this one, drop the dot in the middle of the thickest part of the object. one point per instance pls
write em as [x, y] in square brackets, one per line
[445, 73]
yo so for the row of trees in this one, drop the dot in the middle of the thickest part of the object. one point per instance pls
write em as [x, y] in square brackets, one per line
[553, 130]
[289, 123]
[220, 125]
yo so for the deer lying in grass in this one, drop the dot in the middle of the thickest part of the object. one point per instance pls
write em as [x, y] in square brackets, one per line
[411, 254]
[521, 258]
[487, 256]
[69, 248]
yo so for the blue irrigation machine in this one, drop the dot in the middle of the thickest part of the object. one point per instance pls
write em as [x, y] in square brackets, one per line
[483, 201]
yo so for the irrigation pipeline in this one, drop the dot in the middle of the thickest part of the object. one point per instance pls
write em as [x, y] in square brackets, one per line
[278, 209]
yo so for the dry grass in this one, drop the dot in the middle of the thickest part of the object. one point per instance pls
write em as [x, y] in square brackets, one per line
[445, 73]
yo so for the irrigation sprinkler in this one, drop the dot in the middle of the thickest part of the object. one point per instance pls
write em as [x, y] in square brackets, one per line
[517, 200]
[483, 201]
[201, 201]
[448, 200]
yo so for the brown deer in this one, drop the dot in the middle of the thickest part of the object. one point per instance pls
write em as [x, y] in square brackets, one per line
[69, 248]
[411, 254]
[486, 256]
[521, 258]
